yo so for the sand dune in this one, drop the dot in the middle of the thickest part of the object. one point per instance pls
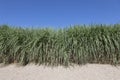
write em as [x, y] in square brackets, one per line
[85, 72]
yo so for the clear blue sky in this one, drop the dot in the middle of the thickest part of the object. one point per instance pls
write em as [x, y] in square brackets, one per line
[59, 13]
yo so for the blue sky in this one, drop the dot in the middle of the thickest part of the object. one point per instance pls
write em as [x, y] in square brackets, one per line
[58, 13]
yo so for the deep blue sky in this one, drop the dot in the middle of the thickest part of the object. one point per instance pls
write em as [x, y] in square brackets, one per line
[59, 13]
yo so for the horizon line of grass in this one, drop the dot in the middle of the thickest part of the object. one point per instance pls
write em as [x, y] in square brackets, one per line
[73, 45]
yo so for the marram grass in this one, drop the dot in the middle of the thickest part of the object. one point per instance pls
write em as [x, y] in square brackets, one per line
[73, 45]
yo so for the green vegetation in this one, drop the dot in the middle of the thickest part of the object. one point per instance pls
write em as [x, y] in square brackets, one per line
[73, 45]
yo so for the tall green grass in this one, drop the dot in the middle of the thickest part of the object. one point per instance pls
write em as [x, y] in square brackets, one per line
[73, 45]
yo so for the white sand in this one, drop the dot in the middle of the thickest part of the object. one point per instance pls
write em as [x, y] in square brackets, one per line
[35, 72]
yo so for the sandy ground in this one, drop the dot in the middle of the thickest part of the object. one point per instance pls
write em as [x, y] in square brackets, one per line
[35, 72]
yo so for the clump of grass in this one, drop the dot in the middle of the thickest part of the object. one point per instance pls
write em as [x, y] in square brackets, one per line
[77, 44]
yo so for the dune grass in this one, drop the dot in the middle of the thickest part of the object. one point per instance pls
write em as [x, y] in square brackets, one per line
[77, 45]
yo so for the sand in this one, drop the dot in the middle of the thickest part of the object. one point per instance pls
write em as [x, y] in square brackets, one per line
[35, 72]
